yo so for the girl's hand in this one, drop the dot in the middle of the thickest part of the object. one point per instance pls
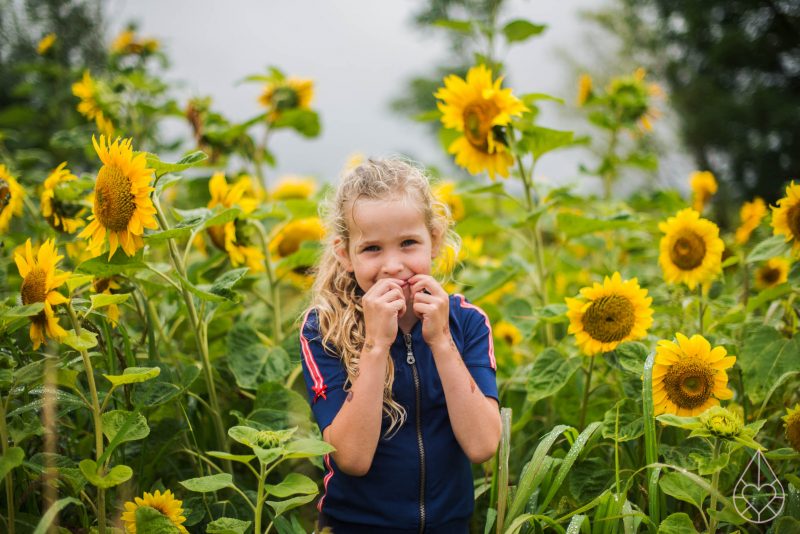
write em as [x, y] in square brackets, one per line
[432, 305]
[383, 304]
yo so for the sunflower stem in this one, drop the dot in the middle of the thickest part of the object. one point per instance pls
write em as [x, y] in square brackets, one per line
[275, 295]
[586, 391]
[199, 328]
[714, 483]
[700, 309]
[609, 175]
[651, 440]
[9, 478]
[96, 416]
[259, 501]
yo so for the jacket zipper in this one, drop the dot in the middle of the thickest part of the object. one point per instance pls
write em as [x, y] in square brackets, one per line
[410, 360]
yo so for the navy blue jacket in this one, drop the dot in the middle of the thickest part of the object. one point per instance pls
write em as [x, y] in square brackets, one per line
[420, 479]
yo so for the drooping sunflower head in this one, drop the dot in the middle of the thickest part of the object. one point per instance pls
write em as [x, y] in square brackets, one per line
[608, 314]
[480, 109]
[59, 205]
[791, 422]
[11, 198]
[89, 106]
[689, 376]
[773, 273]
[750, 214]
[45, 44]
[39, 282]
[285, 94]
[584, 89]
[704, 186]
[288, 238]
[786, 216]
[445, 192]
[288, 187]
[691, 250]
[630, 99]
[166, 503]
[122, 205]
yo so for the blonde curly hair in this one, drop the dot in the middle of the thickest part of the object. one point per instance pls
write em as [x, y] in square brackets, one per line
[335, 294]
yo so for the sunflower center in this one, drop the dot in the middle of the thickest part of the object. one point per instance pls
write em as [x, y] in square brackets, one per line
[688, 251]
[114, 204]
[793, 430]
[689, 383]
[5, 194]
[793, 220]
[34, 287]
[478, 124]
[770, 276]
[284, 98]
[609, 318]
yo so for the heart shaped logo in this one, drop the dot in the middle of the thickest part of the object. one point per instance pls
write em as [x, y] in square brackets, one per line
[758, 496]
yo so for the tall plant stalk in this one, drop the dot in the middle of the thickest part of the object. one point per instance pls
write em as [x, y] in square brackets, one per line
[9, 478]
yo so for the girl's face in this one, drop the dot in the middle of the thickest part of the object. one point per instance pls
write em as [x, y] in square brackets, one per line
[388, 239]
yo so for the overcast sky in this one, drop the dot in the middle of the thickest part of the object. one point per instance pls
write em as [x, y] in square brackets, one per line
[359, 54]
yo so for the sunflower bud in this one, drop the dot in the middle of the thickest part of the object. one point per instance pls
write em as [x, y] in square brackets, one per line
[722, 422]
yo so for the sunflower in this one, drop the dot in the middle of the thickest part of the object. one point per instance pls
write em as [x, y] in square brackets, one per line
[773, 273]
[45, 44]
[63, 216]
[166, 503]
[507, 332]
[11, 198]
[123, 42]
[294, 187]
[39, 282]
[479, 108]
[584, 89]
[108, 286]
[232, 237]
[689, 376]
[792, 423]
[286, 94]
[630, 99]
[691, 250]
[445, 263]
[445, 192]
[612, 312]
[751, 214]
[287, 239]
[122, 205]
[89, 107]
[786, 216]
[704, 186]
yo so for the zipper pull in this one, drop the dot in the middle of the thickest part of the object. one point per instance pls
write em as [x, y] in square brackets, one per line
[410, 360]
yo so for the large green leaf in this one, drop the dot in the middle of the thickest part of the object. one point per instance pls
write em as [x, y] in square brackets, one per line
[117, 475]
[293, 484]
[228, 525]
[252, 362]
[282, 507]
[771, 247]
[120, 263]
[85, 341]
[576, 225]
[12, 459]
[550, 372]
[539, 140]
[122, 426]
[677, 524]
[308, 448]
[521, 30]
[193, 159]
[630, 425]
[683, 489]
[766, 355]
[134, 375]
[153, 521]
[209, 483]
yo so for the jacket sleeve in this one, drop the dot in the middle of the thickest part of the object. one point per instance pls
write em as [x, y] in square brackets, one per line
[478, 349]
[323, 372]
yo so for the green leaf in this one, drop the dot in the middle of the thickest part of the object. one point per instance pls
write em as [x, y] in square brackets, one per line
[765, 356]
[631, 424]
[688, 423]
[677, 524]
[497, 279]
[308, 448]
[576, 225]
[267, 456]
[769, 248]
[134, 375]
[569, 460]
[27, 310]
[47, 519]
[12, 459]
[121, 426]
[228, 525]
[252, 362]
[223, 286]
[241, 458]
[447, 136]
[303, 121]
[117, 475]
[768, 296]
[85, 341]
[683, 489]
[521, 30]
[221, 216]
[550, 372]
[198, 292]
[461, 26]
[539, 141]
[188, 161]
[153, 521]
[120, 263]
[165, 182]
[282, 507]
[628, 357]
[209, 483]
[101, 300]
[293, 484]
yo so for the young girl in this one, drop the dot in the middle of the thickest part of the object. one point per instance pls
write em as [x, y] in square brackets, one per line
[400, 375]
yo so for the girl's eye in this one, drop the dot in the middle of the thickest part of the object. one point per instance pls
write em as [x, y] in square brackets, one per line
[371, 248]
[409, 242]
